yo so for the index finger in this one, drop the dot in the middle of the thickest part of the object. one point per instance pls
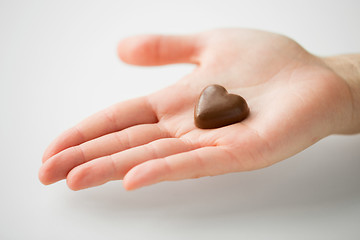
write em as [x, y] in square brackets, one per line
[115, 118]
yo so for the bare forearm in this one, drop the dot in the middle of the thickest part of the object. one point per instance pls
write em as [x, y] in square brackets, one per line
[348, 68]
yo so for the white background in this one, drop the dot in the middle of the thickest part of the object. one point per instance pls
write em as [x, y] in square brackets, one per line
[58, 64]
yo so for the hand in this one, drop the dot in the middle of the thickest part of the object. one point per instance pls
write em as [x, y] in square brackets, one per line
[295, 99]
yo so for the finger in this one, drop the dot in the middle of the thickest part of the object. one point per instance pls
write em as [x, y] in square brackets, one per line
[149, 50]
[114, 167]
[58, 166]
[114, 118]
[206, 161]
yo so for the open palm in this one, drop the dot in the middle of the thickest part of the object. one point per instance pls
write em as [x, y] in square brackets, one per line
[294, 100]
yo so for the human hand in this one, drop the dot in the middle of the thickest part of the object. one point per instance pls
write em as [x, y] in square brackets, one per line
[295, 99]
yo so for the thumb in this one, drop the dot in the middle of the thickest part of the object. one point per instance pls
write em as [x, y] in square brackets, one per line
[150, 50]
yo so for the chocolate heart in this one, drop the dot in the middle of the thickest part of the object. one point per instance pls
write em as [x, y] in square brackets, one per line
[217, 108]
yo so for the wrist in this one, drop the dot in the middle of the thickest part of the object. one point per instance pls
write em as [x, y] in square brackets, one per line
[347, 67]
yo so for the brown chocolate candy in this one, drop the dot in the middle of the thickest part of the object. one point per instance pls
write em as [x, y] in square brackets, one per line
[217, 108]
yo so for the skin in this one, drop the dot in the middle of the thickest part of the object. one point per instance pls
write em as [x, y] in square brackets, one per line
[295, 99]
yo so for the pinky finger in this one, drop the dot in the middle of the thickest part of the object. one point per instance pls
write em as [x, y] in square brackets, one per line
[206, 161]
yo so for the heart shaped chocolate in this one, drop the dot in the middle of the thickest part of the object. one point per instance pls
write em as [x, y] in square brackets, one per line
[217, 108]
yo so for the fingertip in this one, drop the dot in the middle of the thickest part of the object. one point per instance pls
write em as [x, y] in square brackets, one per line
[153, 50]
[128, 182]
[73, 187]
[128, 187]
[121, 50]
[131, 184]
[44, 159]
[67, 139]
[43, 175]
[136, 49]
[54, 147]
[90, 174]
[47, 154]
[49, 151]
[72, 180]
[138, 177]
